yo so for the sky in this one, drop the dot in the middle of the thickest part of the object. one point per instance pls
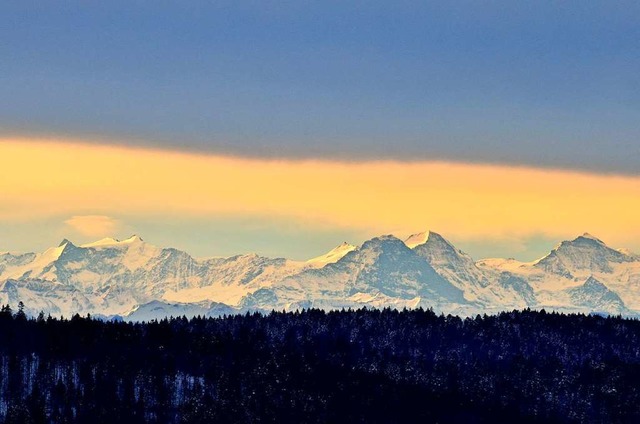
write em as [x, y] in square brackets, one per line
[286, 128]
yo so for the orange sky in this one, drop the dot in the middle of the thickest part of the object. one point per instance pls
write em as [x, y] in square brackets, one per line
[90, 183]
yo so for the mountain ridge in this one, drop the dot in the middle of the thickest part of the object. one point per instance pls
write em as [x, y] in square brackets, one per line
[133, 278]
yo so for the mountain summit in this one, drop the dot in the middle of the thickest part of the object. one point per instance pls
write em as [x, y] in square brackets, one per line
[131, 277]
[584, 253]
[416, 239]
[333, 255]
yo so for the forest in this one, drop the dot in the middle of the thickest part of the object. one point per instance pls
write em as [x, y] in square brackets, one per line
[314, 366]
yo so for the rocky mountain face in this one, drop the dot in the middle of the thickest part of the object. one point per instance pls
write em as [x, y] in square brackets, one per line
[481, 285]
[584, 254]
[135, 280]
[592, 295]
[381, 272]
[579, 263]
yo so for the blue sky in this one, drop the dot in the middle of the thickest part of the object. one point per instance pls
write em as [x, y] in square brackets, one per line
[546, 84]
[541, 83]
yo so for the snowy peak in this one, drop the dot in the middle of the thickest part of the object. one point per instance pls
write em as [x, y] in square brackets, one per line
[478, 284]
[112, 276]
[416, 239]
[596, 296]
[54, 253]
[385, 240]
[438, 250]
[437, 242]
[584, 253]
[65, 251]
[133, 239]
[107, 241]
[593, 284]
[113, 242]
[588, 237]
[435, 238]
[386, 265]
[387, 246]
[64, 242]
[334, 255]
[433, 246]
[586, 241]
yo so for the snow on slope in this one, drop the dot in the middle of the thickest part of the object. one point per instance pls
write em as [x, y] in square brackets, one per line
[10, 262]
[591, 295]
[131, 277]
[228, 280]
[380, 272]
[487, 286]
[117, 276]
[573, 262]
[334, 255]
[112, 242]
[585, 253]
[417, 239]
[159, 310]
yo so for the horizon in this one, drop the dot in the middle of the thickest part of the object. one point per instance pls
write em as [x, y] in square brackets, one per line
[228, 205]
[280, 127]
[357, 244]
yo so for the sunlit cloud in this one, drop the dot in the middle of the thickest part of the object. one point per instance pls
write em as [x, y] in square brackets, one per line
[463, 201]
[93, 225]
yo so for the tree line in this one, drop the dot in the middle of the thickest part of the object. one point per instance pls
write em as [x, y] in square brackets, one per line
[312, 366]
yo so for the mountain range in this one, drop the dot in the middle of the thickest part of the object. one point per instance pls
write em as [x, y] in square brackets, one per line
[134, 280]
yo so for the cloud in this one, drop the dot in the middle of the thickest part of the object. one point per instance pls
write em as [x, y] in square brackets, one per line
[460, 200]
[93, 225]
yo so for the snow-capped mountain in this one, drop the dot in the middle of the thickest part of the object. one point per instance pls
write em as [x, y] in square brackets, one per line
[138, 281]
[334, 255]
[157, 309]
[571, 263]
[584, 254]
[381, 272]
[591, 295]
[486, 286]
[112, 277]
